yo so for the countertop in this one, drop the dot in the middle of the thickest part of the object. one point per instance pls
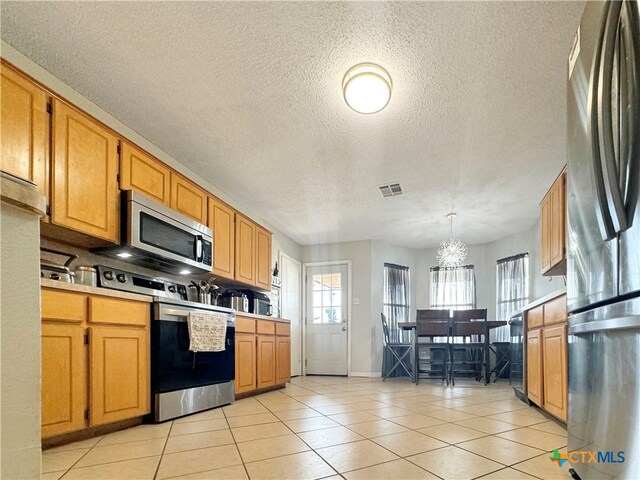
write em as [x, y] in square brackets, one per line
[262, 317]
[541, 300]
[105, 292]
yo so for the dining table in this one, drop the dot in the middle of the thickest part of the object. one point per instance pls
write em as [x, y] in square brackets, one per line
[488, 324]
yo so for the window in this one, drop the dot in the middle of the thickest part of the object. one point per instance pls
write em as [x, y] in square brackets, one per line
[512, 290]
[396, 300]
[453, 288]
[327, 298]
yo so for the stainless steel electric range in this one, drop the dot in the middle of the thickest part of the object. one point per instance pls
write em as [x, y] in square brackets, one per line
[182, 381]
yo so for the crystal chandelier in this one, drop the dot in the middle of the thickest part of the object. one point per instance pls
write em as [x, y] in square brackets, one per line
[452, 252]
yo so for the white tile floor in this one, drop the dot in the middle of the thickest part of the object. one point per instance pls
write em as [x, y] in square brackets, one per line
[327, 427]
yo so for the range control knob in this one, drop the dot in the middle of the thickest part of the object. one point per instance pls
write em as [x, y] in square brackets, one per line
[172, 288]
[108, 275]
[122, 278]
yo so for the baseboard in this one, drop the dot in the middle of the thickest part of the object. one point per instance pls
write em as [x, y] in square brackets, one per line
[365, 374]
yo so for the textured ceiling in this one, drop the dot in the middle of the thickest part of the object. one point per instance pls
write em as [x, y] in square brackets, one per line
[248, 95]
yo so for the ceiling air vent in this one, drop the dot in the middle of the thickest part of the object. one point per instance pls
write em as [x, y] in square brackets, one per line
[391, 189]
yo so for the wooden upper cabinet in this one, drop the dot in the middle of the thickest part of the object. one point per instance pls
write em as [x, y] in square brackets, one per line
[558, 221]
[534, 366]
[24, 129]
[63, 378]
[84, 172]
[119, 379]
[245, 255]
[222, 223]
[263, 258]
[143, 173]
[553, 225]
[188, 199]
[554, 349]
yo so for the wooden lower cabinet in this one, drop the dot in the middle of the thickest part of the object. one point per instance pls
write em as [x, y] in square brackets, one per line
[92, 374]
[119, 379]
[283, 359]
[554, 348]
[245, 363]
[534, 366]
[263, 354]
[266, 353]
[64, 385]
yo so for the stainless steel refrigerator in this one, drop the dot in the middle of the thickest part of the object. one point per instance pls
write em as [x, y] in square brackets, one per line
[603, 284]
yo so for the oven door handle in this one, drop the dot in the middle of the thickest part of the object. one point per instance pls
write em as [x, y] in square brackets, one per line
[175, 313]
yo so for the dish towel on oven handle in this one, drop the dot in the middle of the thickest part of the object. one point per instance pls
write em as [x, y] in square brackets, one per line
[207, 331]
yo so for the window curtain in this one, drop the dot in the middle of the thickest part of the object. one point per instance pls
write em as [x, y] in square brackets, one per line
[512, 291]
[396, 300]
[453, 288]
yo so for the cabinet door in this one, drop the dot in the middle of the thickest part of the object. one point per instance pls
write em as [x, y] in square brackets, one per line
[534, 366]
[119, 379]
[245, 363]
[245, 250]
[263, 258]
[222, 222]
[555, 370]
[283, 360]
[266, 360]
[144, 174]
[85, 171]
[545, 225]
[24, 135]
[64, 378]
[557, 222]
[188, 199]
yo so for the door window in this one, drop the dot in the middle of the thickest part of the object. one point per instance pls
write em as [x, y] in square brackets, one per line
[327, 298]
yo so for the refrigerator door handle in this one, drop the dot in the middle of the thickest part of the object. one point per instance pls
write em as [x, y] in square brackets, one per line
[600, 325]
[605, 128]
[602, 211]
[631, 39]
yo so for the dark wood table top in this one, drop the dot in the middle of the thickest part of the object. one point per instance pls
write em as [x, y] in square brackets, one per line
[490, 324]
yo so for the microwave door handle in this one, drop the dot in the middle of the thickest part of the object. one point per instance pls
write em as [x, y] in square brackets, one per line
[604, 220]
[199, 248]
[605, 127]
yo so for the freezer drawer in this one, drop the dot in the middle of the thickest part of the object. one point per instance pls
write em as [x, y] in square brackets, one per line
[604, 388]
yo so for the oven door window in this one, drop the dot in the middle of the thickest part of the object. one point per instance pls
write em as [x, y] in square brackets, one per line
[166, 237]
[175, 367]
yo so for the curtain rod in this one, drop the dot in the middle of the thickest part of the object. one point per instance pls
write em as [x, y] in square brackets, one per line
[513, 257]
[436, 269]
[393, 265]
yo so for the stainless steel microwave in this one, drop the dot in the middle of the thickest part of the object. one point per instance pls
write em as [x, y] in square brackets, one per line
[156, 237]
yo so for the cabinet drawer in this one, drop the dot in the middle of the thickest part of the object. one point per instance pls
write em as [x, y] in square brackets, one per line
[64, 306]
[120, 312]
[265, 327]
[283, 329]
[535, 317]
[555, 311]
[245, 325]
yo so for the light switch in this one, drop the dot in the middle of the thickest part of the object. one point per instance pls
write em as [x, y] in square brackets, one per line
[356, 301]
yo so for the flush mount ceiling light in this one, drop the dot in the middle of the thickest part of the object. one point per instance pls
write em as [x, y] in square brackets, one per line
[367, 88]
[452, 252]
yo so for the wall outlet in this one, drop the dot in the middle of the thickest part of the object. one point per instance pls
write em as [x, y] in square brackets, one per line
[356, 301]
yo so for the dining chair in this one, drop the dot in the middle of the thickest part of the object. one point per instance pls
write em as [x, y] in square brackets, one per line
[393, 351]
[467, 357]
[431, 356]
